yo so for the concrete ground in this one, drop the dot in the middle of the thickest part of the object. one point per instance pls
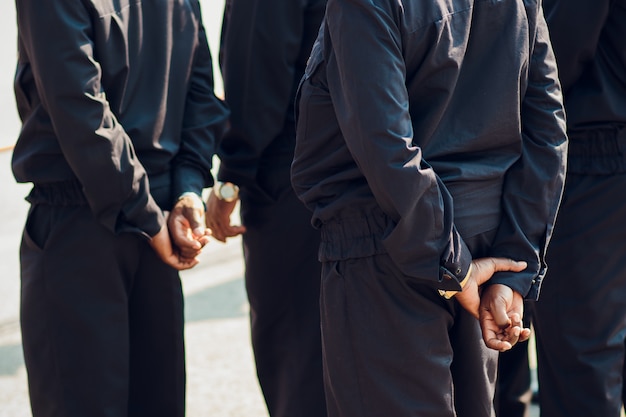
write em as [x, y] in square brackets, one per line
[221, 375]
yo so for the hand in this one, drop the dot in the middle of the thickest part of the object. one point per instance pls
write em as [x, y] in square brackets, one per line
[162, 245]
[481, 271]
[501, 312]
[186, 225]
[218, 218]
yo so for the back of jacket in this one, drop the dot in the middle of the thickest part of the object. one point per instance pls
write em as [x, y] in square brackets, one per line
[589, 40]
[447, 116]
[109, 90]
[263, 53]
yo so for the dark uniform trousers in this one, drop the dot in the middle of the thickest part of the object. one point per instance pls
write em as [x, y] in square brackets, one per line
[580, 318]
[101, 317]
[394, 347]
[513, 386]
[283, 283]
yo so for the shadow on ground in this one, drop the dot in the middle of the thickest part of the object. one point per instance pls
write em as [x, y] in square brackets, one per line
[223, 301]
[11, 359]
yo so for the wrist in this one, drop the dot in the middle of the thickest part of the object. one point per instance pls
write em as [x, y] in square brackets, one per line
[191, 199]
[226, 191]
[189, 194]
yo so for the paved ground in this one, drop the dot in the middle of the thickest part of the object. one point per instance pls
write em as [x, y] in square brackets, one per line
[221, 378]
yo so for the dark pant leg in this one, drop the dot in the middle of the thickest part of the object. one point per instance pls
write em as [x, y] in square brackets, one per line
[282, 282]
[513, 390]
[474, 367]
[74, 311]
[157, 357]
[386, 345]
[101, 320]
[580, 318]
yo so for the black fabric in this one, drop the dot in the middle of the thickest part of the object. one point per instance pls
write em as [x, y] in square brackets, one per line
[263, 52]
[102, 320]
[513, 385]
[417, 108]
[588, 40]
[394, 349]
[283, 285]
[119, 118]
[580, 318]
[117, 96]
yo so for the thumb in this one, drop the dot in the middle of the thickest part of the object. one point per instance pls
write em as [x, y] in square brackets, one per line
[198, 228]
[197, 222]
[484, 268]
[499, 306]
[505, 264]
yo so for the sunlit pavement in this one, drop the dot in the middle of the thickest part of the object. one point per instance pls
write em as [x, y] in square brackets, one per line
[221, 379]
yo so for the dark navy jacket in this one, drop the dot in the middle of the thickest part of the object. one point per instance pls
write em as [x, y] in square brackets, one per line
[589, 40]
[263, 54]
[112, 92]
[423, 122]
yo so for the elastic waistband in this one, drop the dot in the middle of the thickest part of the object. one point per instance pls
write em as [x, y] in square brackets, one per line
[64, 193]
[597, 151]
[354, 236]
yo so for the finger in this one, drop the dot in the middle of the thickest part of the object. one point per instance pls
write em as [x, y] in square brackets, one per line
[188, 253]
[223, 230]
[194, 219]
[516, 320]
[188, 259]
[512, 334]
[180, 264]
[497, 344]
[204, 240]
[492, 334]
[216, 229]
[232, 231]
[217, 234]
[183, 237]
[524, 335]
[197, 223]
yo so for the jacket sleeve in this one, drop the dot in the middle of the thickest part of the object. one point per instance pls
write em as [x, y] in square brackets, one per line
[260, 44]
[534, 184]
[371, 103]
[204, 122]
[95, 145]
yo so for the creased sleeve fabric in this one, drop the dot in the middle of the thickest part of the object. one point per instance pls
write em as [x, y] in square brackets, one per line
[372, 108]
[533, 186]
[262, 54]
[204, 122]
[447, 117]
[131, 119]
[96, 147]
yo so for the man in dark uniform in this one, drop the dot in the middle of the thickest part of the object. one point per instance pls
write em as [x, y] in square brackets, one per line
[119, 126]
[264, 48]
[580, 318]
[431, 149]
